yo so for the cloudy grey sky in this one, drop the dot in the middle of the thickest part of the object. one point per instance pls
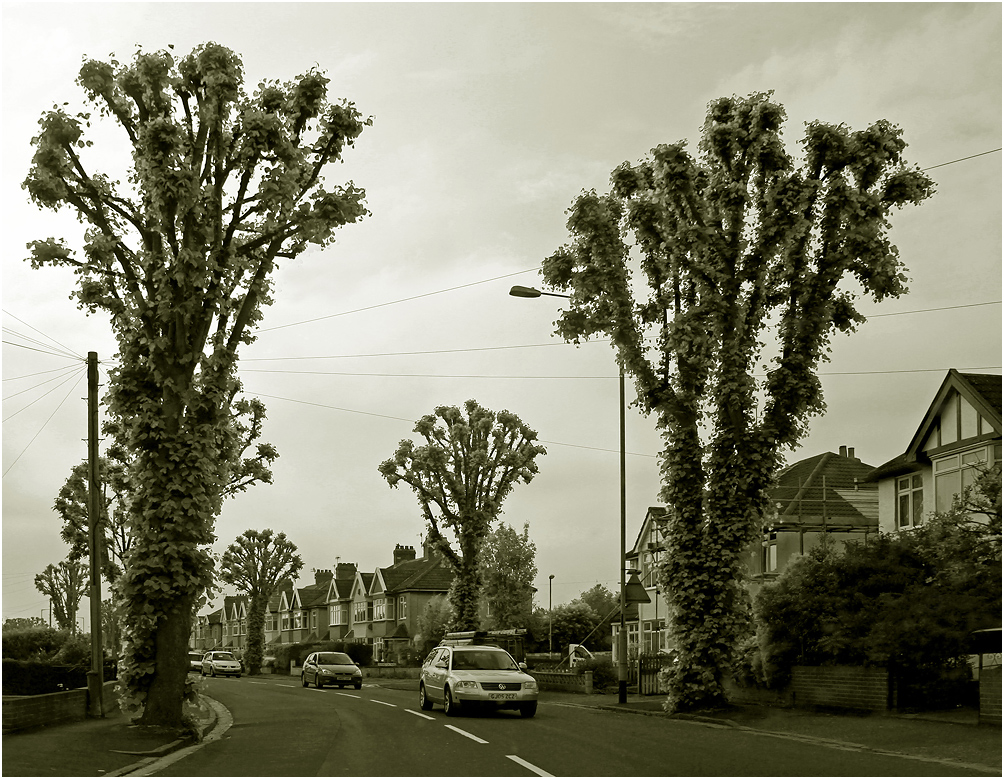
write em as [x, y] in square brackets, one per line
[488, 120]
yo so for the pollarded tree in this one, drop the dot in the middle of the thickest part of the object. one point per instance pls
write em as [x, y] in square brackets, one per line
[255, 564]
[222, 185]
[461, 476]
[739, 248]
[64, 585]
[509, 571]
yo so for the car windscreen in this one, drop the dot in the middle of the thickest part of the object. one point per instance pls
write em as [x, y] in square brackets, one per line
[334, 658]
[482, 660]
[223, 656]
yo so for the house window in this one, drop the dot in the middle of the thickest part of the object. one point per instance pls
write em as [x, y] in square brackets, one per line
[285, 621]
[770, 552]
[402, 607]
[359, 611]
[953, 474]
[909, 500]
[313, 620]
[380, 609]
[297, 620]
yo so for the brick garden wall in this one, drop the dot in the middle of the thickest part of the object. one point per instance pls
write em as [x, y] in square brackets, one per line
[28, 711]
[567, 681]
[845, 687]
[990, 696]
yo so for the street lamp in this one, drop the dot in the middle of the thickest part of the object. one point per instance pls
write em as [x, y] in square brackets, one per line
[550, 617]
[622, 670]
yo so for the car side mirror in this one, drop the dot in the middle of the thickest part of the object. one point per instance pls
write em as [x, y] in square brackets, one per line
[522, 666]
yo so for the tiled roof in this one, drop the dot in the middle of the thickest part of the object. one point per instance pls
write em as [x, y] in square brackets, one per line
[847, 499]
[284, 586]
[424, 574]
[313, 595]
[988, 386]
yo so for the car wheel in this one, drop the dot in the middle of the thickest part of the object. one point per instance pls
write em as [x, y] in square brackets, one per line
[202, 671]
[303, 680]
[212, 672]
[318, 683]
[449, 707]
[528, 709]
[358, 685]
[238, 676]
[423, 699]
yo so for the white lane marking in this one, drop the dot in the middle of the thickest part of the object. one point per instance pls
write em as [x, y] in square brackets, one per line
[259, 683]
[529, 766]
[317, 689]
[384, 702]
[471, 736]
[419, 714]
[285, 685]
[349, 695]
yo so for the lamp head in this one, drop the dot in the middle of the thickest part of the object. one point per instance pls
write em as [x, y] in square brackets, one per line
[524, 292]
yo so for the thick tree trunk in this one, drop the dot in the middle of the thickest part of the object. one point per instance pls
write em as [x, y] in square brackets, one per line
[165, 698]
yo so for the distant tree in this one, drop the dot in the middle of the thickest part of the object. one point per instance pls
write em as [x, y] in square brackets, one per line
[113, 517]
[606, 605]
[434, 622]
[222, 186]
[461, 476]
[509, 571]
[572, 624]
[738, 249]
[255, 564]
[64, 585]
[23, 623]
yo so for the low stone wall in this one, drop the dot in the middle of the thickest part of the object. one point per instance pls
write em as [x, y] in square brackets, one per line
[28, 711]
[845, 687]
[990, 696]
[565, 681]
[390, 672]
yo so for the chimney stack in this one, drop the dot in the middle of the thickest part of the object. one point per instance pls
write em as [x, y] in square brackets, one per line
[850, 453]
[843, 451]
[402, 553]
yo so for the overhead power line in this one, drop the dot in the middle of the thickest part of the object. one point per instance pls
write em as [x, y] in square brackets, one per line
[400, 300]
[962, 159]
[66, 349]
[44, 424]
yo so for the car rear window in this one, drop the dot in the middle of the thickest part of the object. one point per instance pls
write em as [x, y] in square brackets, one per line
[333, 658]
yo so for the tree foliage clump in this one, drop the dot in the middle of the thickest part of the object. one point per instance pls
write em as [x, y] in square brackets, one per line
[737, 248]
[908, 600]
[461, 475]
[508, 560]
[255, 564]
[221, 187]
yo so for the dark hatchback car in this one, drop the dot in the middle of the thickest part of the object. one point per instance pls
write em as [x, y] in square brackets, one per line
[334, 668]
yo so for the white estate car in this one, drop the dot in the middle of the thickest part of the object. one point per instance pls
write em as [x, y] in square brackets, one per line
[221, 664]
[462, 677]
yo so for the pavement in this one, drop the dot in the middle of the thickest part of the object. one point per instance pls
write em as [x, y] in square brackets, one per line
[113, 747]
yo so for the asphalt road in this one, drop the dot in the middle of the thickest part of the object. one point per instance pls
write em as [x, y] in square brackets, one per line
[282, 729]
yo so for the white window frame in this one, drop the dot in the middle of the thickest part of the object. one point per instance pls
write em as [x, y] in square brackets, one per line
[907, 487]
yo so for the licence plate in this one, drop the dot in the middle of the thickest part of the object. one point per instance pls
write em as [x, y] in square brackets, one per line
[502, 696]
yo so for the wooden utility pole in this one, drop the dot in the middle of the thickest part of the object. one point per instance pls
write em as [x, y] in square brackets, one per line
[95, 677]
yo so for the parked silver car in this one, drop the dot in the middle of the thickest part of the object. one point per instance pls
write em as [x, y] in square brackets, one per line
[221, 664]
[462, 677]
[335, 668]
[195, 661]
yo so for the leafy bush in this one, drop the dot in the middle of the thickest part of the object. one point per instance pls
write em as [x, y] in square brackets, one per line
[604, 673]
[33, 643]
[904, 601]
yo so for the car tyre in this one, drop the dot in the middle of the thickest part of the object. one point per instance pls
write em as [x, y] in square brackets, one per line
[212, 672]
[303, 680]
[449, 707]
[423, 699]
[358, 685]
[527, 710]
[238, 676]
[318, 684]
[202, 671]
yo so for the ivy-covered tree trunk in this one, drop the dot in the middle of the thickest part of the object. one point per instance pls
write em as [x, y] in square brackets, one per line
[222, 185]
[253, 652]
[745, 267]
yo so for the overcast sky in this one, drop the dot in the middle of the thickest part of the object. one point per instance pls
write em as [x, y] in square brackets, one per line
[488, 120]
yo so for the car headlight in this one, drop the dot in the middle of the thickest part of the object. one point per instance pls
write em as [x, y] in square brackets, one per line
[468, 685]
[531, 685]
[325, 672]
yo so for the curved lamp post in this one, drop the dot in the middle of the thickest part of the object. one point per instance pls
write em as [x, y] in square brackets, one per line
[622, 672]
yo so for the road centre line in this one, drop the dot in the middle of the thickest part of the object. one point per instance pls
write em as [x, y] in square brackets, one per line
[471, 736]
[419, 714]
[393, 705]
[529, 766]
